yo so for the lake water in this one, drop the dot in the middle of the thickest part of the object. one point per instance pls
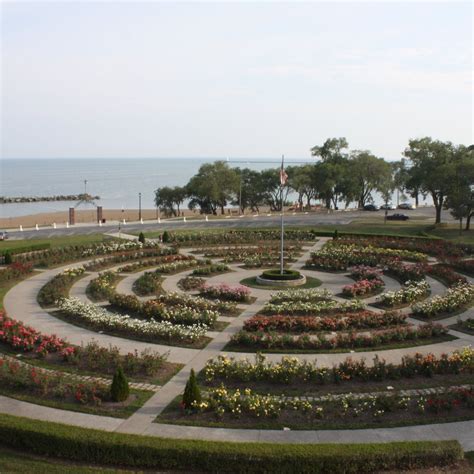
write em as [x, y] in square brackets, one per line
[116, 181]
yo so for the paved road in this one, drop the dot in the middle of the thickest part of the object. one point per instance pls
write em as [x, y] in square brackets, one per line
[263, 220]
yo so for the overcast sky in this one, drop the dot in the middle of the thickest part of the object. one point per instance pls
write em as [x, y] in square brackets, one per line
[240, 80]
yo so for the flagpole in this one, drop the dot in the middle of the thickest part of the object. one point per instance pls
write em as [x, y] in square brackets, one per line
[281, 198]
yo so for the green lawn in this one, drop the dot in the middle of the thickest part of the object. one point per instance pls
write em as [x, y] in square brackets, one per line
[54, 241]
[15, 461]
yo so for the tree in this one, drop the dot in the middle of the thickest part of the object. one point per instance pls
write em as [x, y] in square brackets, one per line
[251, 188]
[141, 237]
[119, 390]
[368, 173]
[330, 174]
[274, 194]
[301, 180]
[168, 199]
[213, 187]
[460, 197]
[432, 168]
[192, 393]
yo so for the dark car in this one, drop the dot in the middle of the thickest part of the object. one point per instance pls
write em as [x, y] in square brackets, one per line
[406, 206]
[397, 217]
[370, 207]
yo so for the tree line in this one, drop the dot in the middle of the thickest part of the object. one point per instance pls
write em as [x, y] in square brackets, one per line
[338, 178]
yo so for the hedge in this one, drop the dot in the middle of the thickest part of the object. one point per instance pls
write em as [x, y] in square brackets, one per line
[276, 275]
[136, 451]
[25, 249]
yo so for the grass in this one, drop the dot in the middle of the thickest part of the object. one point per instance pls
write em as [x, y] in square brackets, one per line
[55, 241]
[13, 461]
[116, 412]
[252, 283]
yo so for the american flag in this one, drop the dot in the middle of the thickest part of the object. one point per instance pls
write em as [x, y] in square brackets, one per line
[283, 175]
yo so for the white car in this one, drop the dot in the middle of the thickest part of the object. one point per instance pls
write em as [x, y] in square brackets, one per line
[388, 207]
[3, 235]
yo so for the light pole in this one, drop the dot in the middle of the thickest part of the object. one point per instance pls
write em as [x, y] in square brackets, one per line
[139, 206]
[240, 195]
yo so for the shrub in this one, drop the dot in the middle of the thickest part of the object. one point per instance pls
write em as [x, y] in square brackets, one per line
[8, 260]
[76, 444]
[141, 237]
[119, 390]
[192, 394]
[276, 275]
[166, 237]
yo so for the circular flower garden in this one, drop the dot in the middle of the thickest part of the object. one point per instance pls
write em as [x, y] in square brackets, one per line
[383, 340]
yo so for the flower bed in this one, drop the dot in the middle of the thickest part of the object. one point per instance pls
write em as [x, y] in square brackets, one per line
[26, 339]
[211, 269]
[152, 262]
[456, 298]
[292, 370]
[252, 256]
[436, 247]
[158, 255]
[336, 256]
[105, 360]
[335, 322]
[50, 385]
[363, 288]
[172, 307]
[364, 272]
[231, 405]
[14, 271]
[147, 284]
[266, 340]
[225, 292]
[191, 283]
[446, 274]
[178, 266]
[308, 308]
[59, 286]
[91, 357]
[239, 236]
[465, 266]
[302, 296]
[405, 272]
[100, 319]
[236, 404]
[58, 255]
[102, 287]
[411, 292]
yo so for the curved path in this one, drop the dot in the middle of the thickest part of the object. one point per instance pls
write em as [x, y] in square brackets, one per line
[20, 303]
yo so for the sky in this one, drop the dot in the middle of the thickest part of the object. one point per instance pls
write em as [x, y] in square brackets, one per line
[213, 80]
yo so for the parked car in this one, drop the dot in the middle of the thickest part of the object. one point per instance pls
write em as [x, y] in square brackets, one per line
[387, 207]
[397, 217]
[406, 206]
[3, 235]
[370, 207]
